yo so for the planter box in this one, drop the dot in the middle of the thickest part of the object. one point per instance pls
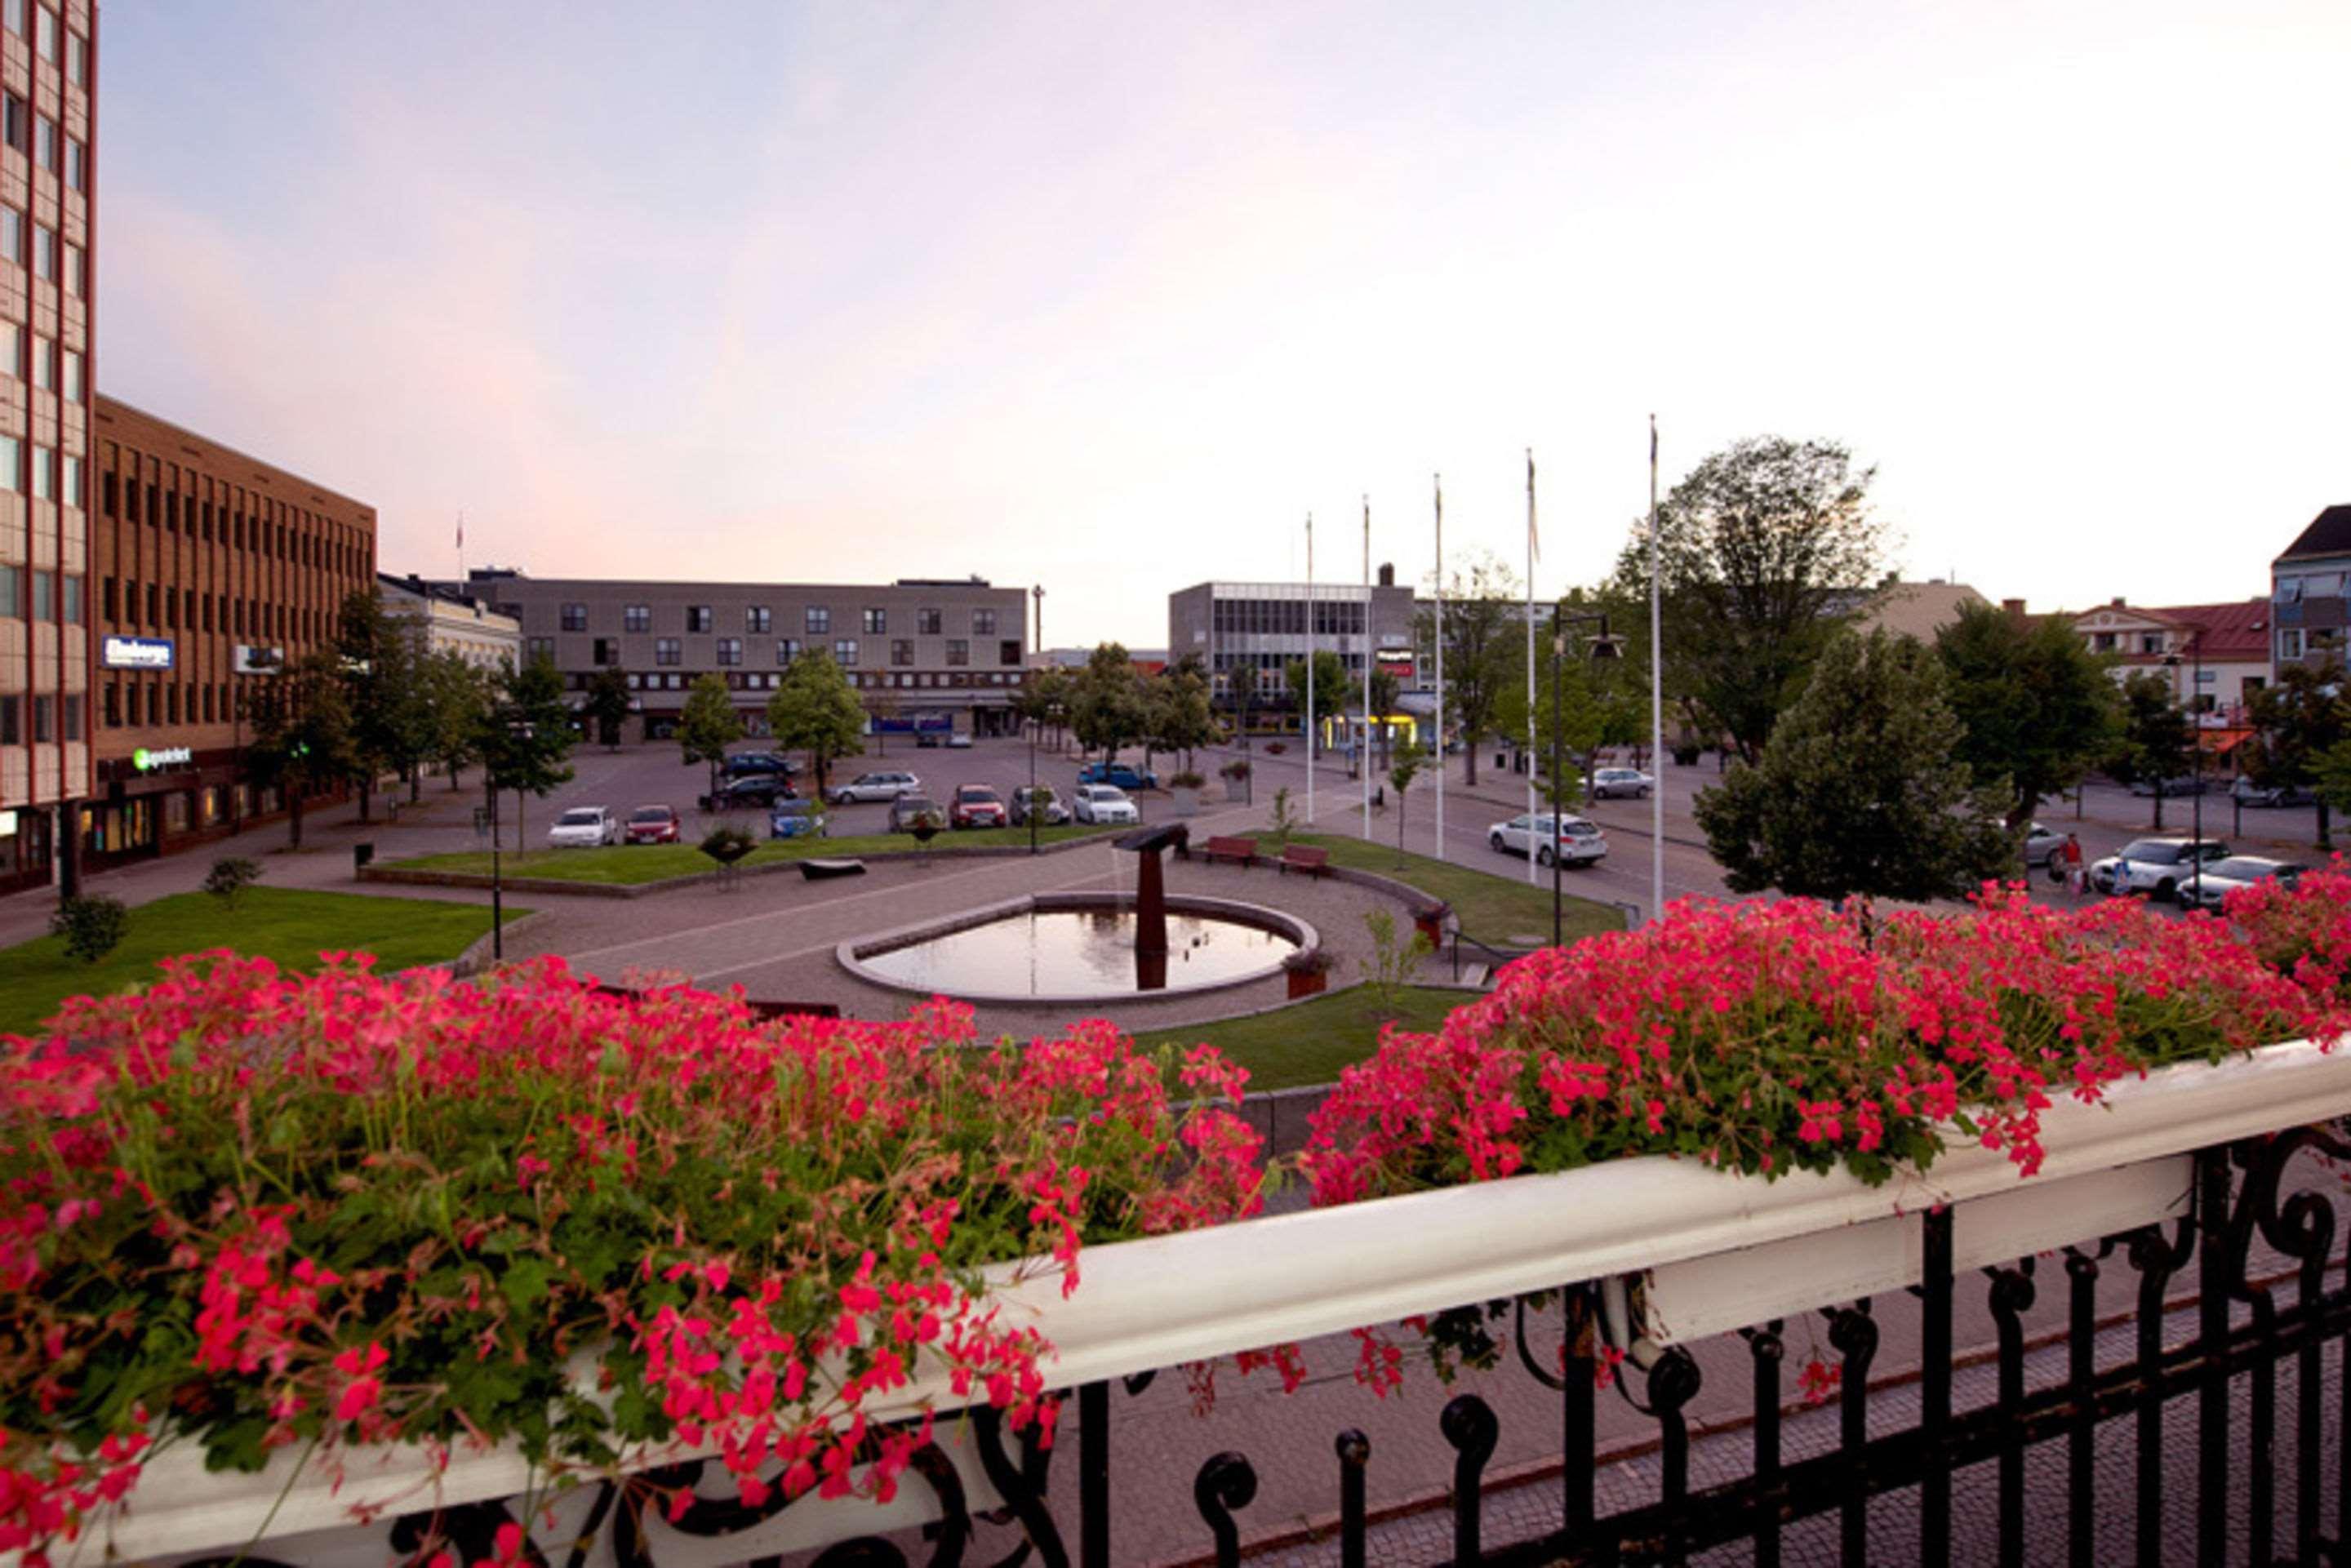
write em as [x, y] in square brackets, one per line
[1185, 802]
[1699, 1252]
[1307, 982]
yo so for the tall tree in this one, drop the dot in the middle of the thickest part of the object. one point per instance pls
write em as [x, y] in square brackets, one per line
[1860, 791]
[380, 664]
[1403, 769]
[1106, 707]
[526, 737]
[458, 696]
[2301, 718]
[709, 725]
[301, 732]
[1181, 720]
[1331, 689]
[608, 704]
[2153, 737]
[815, 709]
[1485, 649]
[2036, 707]
[1764, 550]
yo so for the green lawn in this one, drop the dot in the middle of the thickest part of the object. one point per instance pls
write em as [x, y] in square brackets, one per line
[1494, 905]
[290, 926]
[1310, 1042]
[632, 863]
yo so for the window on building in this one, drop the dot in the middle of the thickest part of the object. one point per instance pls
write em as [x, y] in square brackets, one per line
[114, 705]
[154, 605]
[44, 361]
[16, 121]
[817, 621]
[929, 622]
[667, 651]
[877, 621]
[759, 617]
[902, 652]
[959, 652]
[9, 734]
[786, 650]
[636, 618]
[75, 153]
[730, 651]
[71, 490]
[77, 60]
[69, 716]
[44, 143]
[69, 595]
[844, 652]
[575, 618]
[1008, 650]
[45, 32]
[2150, 642]
[700, 618]
[76, 271]
[154, 705]
[12, 350]
[983, 622]
[542, 648]
[208, 703]
[2289, 643]
[12, 464]
[12, 15]
[43, 584]
[69, 380]
[45, 718]
[605, 652]
[171, 705]
[45, 472]
[2102, 643]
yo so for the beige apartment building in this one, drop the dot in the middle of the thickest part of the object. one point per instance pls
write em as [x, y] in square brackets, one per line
[925, 654]
[452, 621]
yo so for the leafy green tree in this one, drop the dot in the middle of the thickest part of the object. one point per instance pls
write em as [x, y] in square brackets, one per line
[1485, 650]
[90, 926]
[2332, 775]
[709, 724]
[2153, 737]
[525, 737]
[608, 704]
[1860, 791]
[1331, 689]
[1106, 706]
[383, 655]
[458, 694]
[1403, 769]
[814, 710]
[2036, 707]
[1763, 549]
[1181, 719]
[301, 732]
[2298, 721]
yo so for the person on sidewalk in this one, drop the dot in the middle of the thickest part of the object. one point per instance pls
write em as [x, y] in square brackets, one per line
[2072, 865]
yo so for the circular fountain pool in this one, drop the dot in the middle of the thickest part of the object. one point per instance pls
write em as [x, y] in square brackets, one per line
[1065, 948]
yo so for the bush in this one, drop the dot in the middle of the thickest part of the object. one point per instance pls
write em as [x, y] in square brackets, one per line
[92, 925]
[1309, 961]
[727, 844]
[1237, 769]
[1188, 780]
[230, 876]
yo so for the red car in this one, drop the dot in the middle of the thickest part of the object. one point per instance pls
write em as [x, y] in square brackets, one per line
[650, 825]
[976, 806]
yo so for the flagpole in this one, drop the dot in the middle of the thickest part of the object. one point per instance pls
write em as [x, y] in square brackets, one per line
[1531, 824]
[1363, 757]
[1309, 669]
[460, 552]
[1656, 703]
[1439, 481]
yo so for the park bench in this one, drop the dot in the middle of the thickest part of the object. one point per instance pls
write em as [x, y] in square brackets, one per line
[1242, 851]
[1301, 857]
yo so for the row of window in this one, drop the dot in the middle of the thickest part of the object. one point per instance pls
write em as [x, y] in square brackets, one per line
[2310, 585]
[38, 595]
[759, 618]
[729, 652]
[260, 531]
[51, 365]
[53, 718]
[51, 38]
[2294, 641]
[754, 681]
[59, 152]
[168, 609]
[55, 260]
[1287, 617]
[52, 477]
[203, 702]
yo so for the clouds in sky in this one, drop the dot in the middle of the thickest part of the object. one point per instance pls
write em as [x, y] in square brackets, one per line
[1110, 298]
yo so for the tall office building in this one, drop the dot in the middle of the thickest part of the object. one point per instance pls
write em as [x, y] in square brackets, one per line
[48, 128]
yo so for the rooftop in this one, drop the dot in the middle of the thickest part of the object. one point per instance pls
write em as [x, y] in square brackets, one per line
[2329, 534]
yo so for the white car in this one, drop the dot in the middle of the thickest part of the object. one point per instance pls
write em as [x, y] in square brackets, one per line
[2223, 878]
[1579, 840]
[882, 786]
[584, 827]
[1610, 782]
[1103, 803]
[2161, 867]
[960, 740]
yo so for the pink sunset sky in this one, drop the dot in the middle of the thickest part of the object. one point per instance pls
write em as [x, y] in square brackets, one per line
[1110, 298]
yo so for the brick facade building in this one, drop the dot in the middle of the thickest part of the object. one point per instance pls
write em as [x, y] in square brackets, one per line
[210, 568]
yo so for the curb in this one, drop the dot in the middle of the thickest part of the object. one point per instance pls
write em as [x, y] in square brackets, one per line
[476, 955]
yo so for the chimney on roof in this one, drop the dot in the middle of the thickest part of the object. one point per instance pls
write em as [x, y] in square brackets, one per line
[2118, 601]
[1387, 574]
[2015, 607]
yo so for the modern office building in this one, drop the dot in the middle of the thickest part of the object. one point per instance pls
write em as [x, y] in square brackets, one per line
[1250, 633]
[451, 621]
[49, 130]
[212, 569]
[2310, 587]
[924, 654]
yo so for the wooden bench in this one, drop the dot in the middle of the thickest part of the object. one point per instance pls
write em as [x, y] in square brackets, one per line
[1242, 851]
[1302, 857]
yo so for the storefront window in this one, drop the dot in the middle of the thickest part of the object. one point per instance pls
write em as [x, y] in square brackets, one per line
[175, 811]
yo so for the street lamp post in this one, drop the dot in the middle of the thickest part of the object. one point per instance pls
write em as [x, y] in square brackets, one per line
[2195, 763]
[1603, 646]
[1036, 720]
[514, 732]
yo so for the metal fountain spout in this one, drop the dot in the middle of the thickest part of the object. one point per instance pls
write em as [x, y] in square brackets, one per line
[1150, 898]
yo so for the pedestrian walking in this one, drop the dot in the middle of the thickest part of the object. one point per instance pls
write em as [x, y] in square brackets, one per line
[2074, 865]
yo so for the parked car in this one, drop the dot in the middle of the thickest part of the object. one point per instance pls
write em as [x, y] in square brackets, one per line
[1118, 774]
[2043, 846]
[2185, 784]
[1103, 803]
[1049, 807]
[1610, 782]
[584, 827]
[751, 791]
[795, 818]
[976, 806]
[929, 740]
[906, 808]
[1575, 840]
[2155, 866]
[2223, 878]
[651, 825]
[745, 762]
[2247, 792]
[885, 785]
[959, 740]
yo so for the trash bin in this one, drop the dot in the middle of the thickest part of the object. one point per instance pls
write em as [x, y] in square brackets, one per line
[362, 855]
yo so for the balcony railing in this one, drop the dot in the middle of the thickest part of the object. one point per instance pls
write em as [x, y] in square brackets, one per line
[2186, 1227]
